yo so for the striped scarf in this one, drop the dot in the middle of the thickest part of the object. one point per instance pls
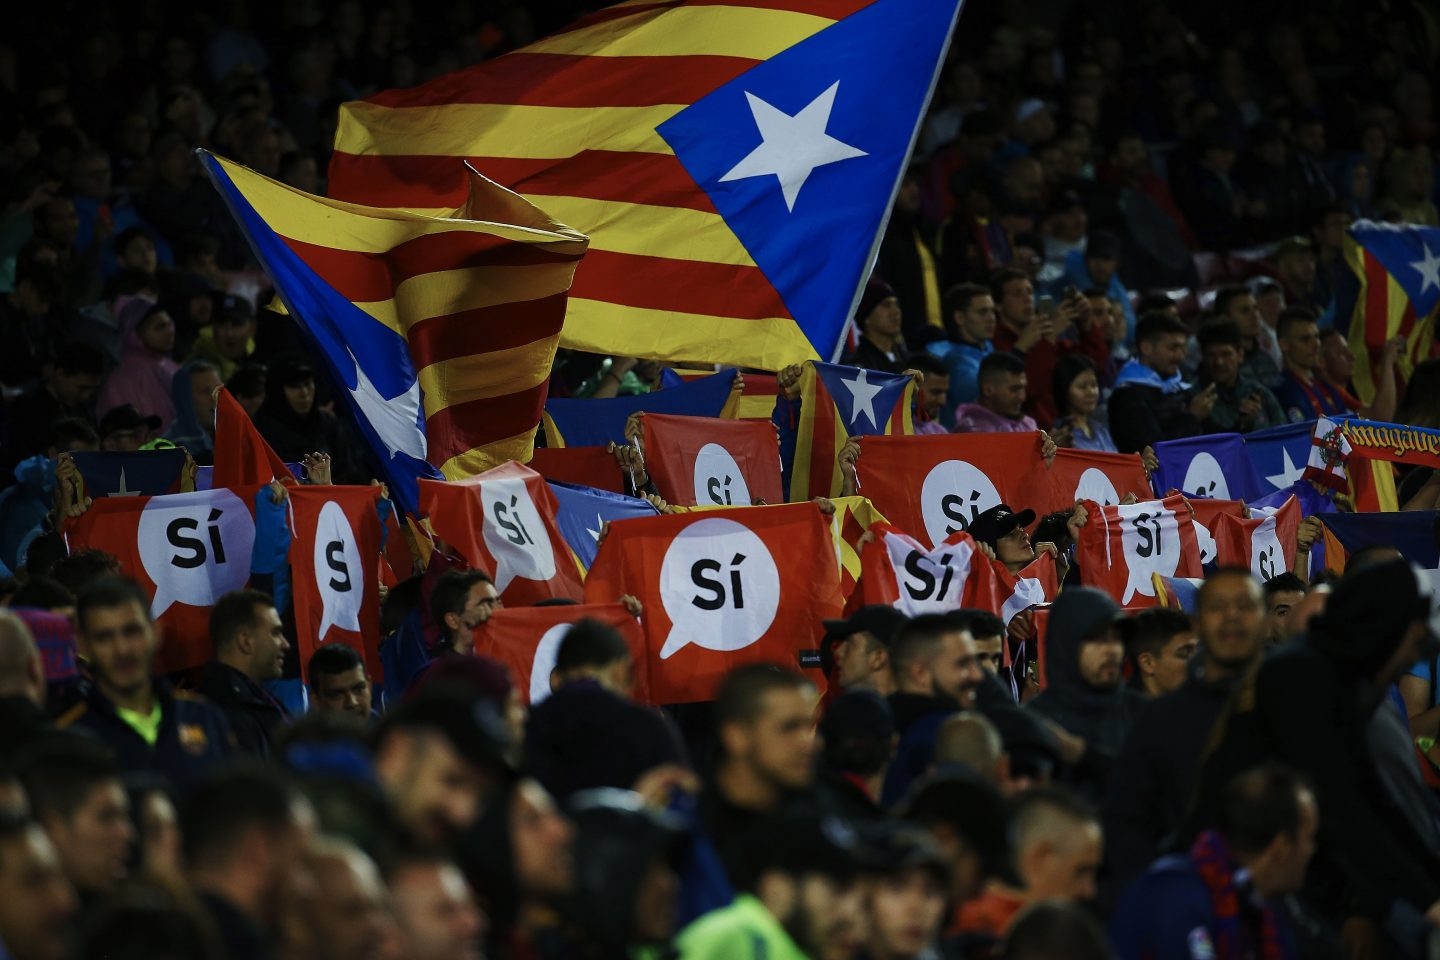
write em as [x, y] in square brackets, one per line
[1217, 872]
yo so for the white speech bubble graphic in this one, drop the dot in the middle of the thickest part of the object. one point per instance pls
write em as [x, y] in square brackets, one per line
[718, 480]
[196, 547]
[928, 581]
[1204, 478]
[339, 574]
[1095, 484]
[1029, 592]
[1208, 548]
[544, 663]
[514, 533]
[1150, 538]
[953, 494]
[719, 586]
[1267, 557]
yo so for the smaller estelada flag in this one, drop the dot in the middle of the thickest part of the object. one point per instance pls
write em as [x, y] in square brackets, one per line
[722, 588]
[1264, 542]
[1078, 475]
[185, 550]
[936, 485]
[1122, 547]
[335, 569]
[526, 639]
[898, 570]
[708, 462]
[503, 521]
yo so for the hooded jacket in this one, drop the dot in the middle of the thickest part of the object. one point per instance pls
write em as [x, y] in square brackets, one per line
[1099, 717]
[1145, 408]
[1308, 706]
[187, 431]
[144, 377]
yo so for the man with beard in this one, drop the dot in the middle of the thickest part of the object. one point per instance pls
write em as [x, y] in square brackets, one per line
[147, 724]
[1155, 772]
[250, 648]
[1084, 695]
[800, 897]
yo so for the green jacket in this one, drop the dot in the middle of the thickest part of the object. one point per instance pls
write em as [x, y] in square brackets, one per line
[1225, 418]
[745, 930]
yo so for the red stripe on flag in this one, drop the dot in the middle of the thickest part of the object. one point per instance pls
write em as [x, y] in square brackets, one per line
[688, 286]
[485, 329]
[366, 277]
[1377, 302]
[831, 9]
[576, 80]
[463, 426]
[658, 179]
[399, 181]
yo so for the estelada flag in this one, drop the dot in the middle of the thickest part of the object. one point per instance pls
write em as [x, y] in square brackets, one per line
[1077, 475]
[936, 485]
[900, 571]
[757, 394]
[1264, 543]
[1121, 547]
[335, 570]
[710, 462]
[838, 402]
[587, 466]
[185, 550]
[242, 456]
[1393, 290]
[853, 517]
[526, 639]
[106, 473]
[503, 521]
[722, 588]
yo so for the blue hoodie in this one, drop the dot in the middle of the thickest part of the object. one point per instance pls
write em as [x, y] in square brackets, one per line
[186, 431]
[24, 506]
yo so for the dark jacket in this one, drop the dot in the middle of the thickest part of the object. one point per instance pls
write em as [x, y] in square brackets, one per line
[871, 357]
[1142, 416]
[584, 736]
[1154, 775]
[252, 713]
[241, 937]
[193, 734]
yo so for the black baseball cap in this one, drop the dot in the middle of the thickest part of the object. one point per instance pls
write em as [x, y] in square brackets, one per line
[998, 521]
[880, 620]
[126, 417]
[233, 309]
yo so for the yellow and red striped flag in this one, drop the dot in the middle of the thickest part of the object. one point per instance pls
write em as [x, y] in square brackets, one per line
[441, 330]
[733, 161]
[1397, 269]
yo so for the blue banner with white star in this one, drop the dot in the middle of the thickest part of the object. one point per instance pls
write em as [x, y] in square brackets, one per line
[582, 512]
[1278, 455]
[803, 154]
[143, 473]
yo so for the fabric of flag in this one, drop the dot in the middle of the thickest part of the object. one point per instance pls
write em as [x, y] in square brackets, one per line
[1090, 475]
[185, 550]
[146, 473]
[503, 521]
[335, 570]
[1278, 455]
[1311, 500]
[901, 571]
[1411, 532]
[594, 423]
[242, 456]
[734, 163]
[440, 330]
[1393, 442]
[1207, 513]
[1179, 593]
[721, 588]
[526, 639]
[587, 466]
[838, 402]
[1213, 465]
[1123, 546]
[935, 485]
[1397, 292]
[581, 513]
[1263, 543]
[852, 519]
[1033, 585]
[701, 461]
[1329, 453]
[757, 396]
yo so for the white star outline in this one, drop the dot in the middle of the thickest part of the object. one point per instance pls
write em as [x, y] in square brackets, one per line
[791, 148]
[1428, 268]
[394, 419]
[862, 398]
[1289, 475]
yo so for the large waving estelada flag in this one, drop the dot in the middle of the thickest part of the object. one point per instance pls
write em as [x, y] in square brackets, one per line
[734, 163]
[721, 588]
[440, 329]
[838, 402]
[1396, 292]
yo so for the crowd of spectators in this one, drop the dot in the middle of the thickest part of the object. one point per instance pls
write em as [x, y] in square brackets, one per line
[1122, 224]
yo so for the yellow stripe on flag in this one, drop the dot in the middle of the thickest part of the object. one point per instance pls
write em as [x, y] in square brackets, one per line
[748, 32]
[676, 233]
[483, 376]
